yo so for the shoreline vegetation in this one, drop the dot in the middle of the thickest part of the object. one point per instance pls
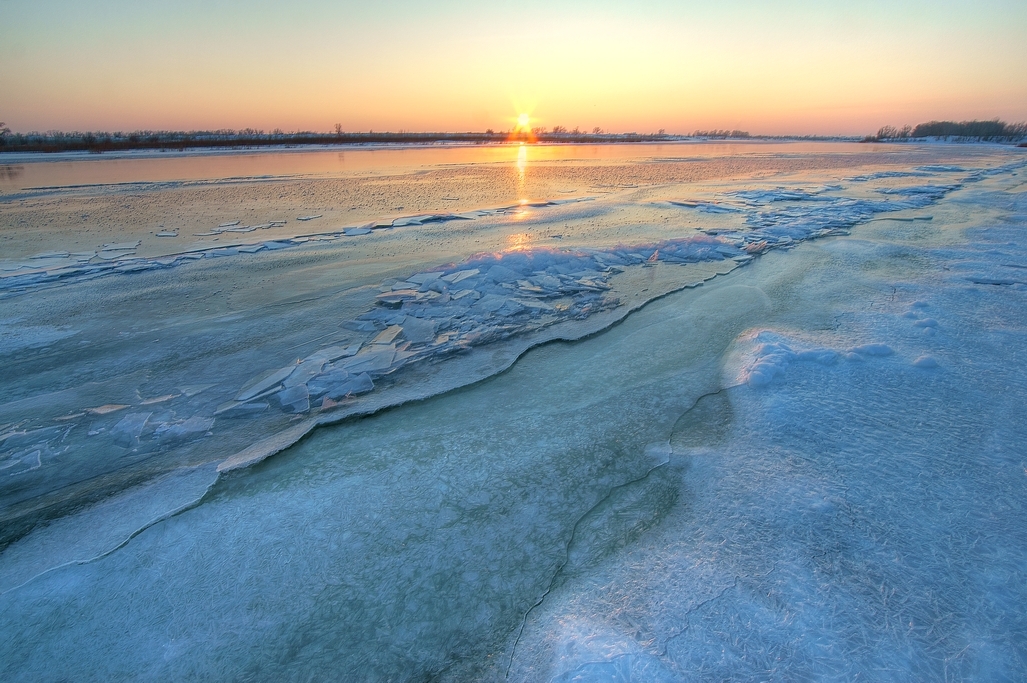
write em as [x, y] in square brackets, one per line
[101, 141]
[951, 131]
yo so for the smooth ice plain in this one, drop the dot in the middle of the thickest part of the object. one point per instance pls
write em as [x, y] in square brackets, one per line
[623, 413]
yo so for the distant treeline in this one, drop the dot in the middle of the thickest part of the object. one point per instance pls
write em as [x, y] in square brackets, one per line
[721, 134]
[993, 130]
[98, 142]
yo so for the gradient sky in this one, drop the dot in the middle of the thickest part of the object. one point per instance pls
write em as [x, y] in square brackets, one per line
[787, 67]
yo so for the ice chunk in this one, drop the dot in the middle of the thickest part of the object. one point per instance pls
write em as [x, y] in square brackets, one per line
[309, 218]
[353, 232]
[925, 361]
[387, 335]
[185, 429]
[333, 353]
[127, 431]
[460, 275]
[295, 399]
[326, 380]
[304, 372]
[490, 302]
[396, 298]
[379, 358]
[418, 330]
[264, 382]
[359, 384]
[500, 273]
[241, 408]
[422, 278]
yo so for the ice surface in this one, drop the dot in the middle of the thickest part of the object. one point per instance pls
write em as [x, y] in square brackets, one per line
[807, 468]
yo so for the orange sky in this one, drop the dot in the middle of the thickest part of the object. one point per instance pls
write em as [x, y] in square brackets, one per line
[769, 68]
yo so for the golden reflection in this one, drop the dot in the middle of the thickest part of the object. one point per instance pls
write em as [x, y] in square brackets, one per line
[518, 242]
[522, 167]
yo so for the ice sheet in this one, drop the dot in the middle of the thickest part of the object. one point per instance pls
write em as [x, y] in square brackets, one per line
[807, 467]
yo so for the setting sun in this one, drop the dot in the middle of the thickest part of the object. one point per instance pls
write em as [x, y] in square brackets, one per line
[523, 123]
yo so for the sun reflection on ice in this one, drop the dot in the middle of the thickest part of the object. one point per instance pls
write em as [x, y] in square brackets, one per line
[518, 242]
[522, 168]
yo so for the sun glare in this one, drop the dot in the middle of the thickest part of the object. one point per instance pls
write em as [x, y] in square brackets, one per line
[523, 122]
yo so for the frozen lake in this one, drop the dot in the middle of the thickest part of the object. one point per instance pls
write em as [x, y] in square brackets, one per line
[570, 413]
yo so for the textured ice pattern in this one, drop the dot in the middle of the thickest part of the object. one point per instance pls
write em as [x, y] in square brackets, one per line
[809, 468]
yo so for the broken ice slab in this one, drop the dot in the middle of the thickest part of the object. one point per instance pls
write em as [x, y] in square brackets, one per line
[460, 275]
[250, 248]
[309, 218]
[127, 431]
[352, 232]
[229, 224]
[167, 233]
[334, 353]
[304, 372]
[419, 330]
[359, 384]
[534, 304]
[422, 278]
[51, 255]
[510, 307]
[376, 359]
[465, 292]
[264, 382]
[490, 302]
[326, 381]
[241, 408]
[529, 287]
[387, 335]
[295, 399]
[396, 299]
[272, 245]
[194, 426]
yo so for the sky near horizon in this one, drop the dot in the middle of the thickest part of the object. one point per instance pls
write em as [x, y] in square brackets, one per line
[785, 67]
